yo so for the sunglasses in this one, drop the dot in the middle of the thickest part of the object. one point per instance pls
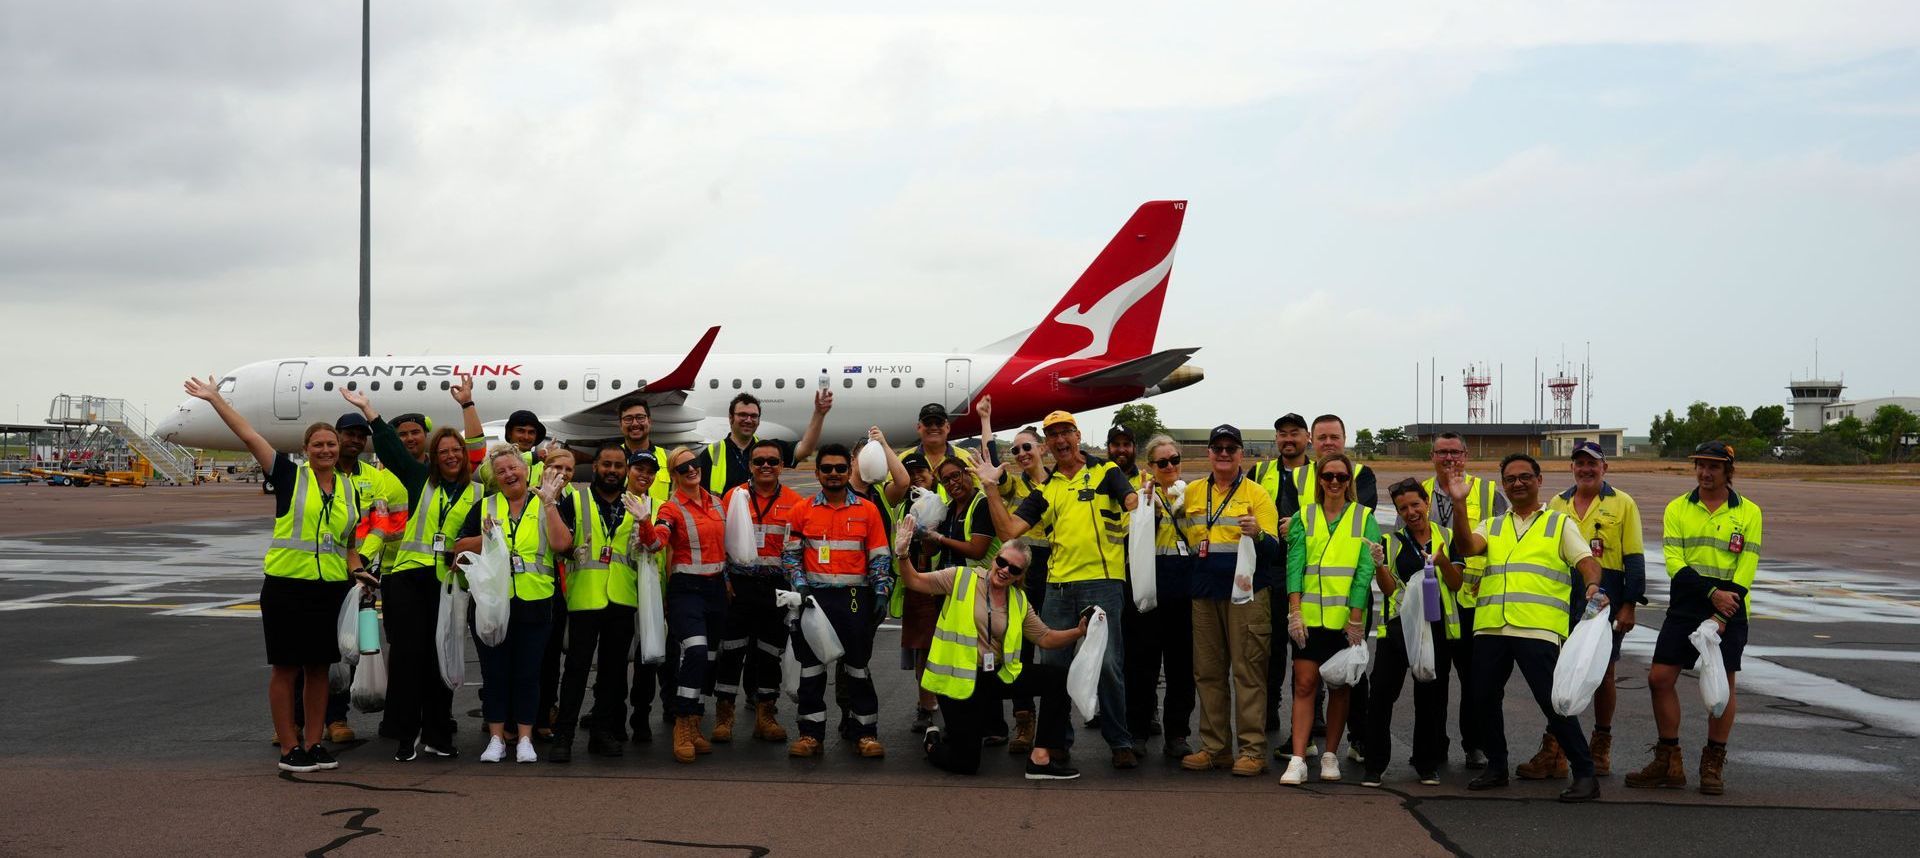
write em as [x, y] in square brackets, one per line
[934, 423]
[1011, 569]
[832, 469]
[687, 468]
[1224, 449]
[765, 461]
[1335, 477]
[1167, 462]
[1023, 447]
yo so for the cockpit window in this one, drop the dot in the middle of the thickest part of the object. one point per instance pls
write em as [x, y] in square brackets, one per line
[226, 385]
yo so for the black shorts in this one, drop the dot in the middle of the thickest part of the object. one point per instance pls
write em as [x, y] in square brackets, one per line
[1674, 648]
[1322, 644]
[299, 619]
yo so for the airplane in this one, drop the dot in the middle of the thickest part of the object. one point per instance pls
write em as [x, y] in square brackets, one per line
[1094, 349]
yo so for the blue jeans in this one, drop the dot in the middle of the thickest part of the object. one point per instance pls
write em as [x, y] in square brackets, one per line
[1062, 611]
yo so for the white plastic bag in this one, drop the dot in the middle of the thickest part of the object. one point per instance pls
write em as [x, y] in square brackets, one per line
[450, 633]
[347, 628]
[873, 463]
[928, 508]
[650, 639]
[1416, 629]
[821, 637]
[1083, 676]
[790, 666]
[339, 677]
[1140, 554]
[370, 683]
[741, 546]
[1243, 563]
[490, 581]
[1713, 669]
[1346, 667]
[1583, 663]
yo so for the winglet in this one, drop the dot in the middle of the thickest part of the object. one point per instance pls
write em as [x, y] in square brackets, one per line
[683, 376]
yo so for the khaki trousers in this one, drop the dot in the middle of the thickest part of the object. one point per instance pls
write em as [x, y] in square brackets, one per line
[1232, 638]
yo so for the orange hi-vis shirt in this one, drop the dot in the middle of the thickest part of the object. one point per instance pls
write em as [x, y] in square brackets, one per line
[838, 546]
[694, 529]
[771, 519]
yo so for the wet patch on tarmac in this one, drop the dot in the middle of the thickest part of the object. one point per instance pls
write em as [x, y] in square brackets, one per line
[1808, 762]
[88, 660]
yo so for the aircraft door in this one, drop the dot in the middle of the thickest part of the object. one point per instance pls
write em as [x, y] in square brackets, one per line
[959, 385]
[286, 390]
[590, 386]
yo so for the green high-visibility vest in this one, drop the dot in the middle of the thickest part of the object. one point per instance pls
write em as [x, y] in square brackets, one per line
[953, 662]
[312, 541]
[528, 541]
[1447, 603]
[1333, 557]
[442, 513]
[1527, 583]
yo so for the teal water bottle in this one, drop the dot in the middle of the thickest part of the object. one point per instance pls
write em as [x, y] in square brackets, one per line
[369, 631]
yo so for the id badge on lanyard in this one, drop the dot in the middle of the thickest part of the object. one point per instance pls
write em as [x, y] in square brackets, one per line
[439, 543]
[606, 554]
[519, 566]
[326, 543]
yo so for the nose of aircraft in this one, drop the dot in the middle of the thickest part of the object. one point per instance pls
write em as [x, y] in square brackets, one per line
[175, 426]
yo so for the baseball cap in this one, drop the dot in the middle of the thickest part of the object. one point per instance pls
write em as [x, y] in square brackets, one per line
[646, 459]
[933, 411]
[352, 420]
[1119, 431]
[1059, 417]
[1589, 448]
[1224, 430]
[1713, 451]
[915, 460]
[1289, 419]
[413, 417]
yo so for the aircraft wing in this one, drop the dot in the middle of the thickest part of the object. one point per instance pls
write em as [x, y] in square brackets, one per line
[1140, 372]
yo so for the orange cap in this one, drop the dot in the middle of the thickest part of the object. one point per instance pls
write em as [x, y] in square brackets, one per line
[1059, 417]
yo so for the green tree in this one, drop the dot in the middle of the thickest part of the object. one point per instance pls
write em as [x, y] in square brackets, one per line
[1391, 435]
[1141, 419]
[1704, 422]
[1365, 445]
[1770, 421]
[1889, 427]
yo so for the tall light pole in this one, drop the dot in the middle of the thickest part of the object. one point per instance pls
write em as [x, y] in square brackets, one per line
[366, 194]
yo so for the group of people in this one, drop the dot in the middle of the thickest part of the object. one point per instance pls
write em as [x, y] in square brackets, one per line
[993, 599]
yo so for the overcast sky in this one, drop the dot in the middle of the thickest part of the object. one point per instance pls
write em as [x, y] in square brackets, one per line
[1699, 190]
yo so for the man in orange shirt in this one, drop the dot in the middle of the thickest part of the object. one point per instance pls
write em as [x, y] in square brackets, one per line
[838, 553]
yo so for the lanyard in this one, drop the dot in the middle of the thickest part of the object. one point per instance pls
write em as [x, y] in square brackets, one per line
[513, 526]
[753, 499]
[610, 516]
[447, 504]
[1214, 515]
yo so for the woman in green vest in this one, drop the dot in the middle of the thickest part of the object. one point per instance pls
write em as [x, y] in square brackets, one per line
[419, 703]
[975, 661]
[1329, 576]
[309, 562]
[537, 528]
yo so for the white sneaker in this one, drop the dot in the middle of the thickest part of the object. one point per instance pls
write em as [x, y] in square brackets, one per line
[1329, 767]
[1313, 749]
[1296, 773]
[524, 752]
[495, 752]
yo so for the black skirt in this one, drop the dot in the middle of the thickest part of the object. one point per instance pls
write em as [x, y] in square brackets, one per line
[299, 618]
[1322, 644]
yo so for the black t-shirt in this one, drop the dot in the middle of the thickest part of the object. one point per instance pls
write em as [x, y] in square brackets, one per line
[1412, 556]
[737, 467]
[957, 520]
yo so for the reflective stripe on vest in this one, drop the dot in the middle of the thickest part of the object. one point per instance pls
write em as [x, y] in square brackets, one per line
[953, 661]
[1527, 584]
[1333, 557]
[294, 551]
[692, 529]
[416, 548]
[1479, 506]
[1448, 604]
[535, 580]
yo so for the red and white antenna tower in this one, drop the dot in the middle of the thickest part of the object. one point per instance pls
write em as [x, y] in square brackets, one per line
[1477, 382]
[1563, 386]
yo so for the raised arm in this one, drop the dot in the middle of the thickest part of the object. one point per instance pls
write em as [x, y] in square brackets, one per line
[984, 408]
[1005, 523]
[898, 482]
[822, 403]
[1470, 544]
[462, 393]
[209, 390]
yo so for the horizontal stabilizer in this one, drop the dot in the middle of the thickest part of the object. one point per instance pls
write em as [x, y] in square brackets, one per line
[1140, 372]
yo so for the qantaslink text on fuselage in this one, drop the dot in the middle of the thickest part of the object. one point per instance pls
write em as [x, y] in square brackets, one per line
[420, 369]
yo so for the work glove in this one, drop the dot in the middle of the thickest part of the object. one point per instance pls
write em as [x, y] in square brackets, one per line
[787, 599]
[1356, 633]
[1297, 629]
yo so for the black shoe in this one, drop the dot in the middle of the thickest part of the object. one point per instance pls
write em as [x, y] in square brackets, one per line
[1373, 779]
[932, 737]
[406, 753]
[1476, 759]
[1092, 725]
[991, 741]
[322, 759]
[1429, 777]
[1054, 770]
[1489, 779]
[1177, 747]
[561, 750]
[605, 745]
[297, 760]
[432, 749]
[642, 730]
[1583, 789]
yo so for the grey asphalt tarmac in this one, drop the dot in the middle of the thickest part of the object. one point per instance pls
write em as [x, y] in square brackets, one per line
[137, 724]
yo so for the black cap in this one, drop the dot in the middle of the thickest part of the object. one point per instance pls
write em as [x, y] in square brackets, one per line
[1713, 451]
[1224, 430]
[1589, 448]
[412, 417]
[1289, 419]
[1119, 431]
[931, 410]
[352, 420]
[915, 460]
[524, 417]
[642, 458]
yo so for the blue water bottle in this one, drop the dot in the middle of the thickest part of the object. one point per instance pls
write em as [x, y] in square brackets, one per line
[369, 631]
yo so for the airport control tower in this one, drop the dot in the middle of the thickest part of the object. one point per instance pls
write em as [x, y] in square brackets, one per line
[1808, 398]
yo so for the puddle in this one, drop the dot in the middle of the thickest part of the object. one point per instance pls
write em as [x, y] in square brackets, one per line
[96, 659]
[1810, 762]
[1793, 722]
